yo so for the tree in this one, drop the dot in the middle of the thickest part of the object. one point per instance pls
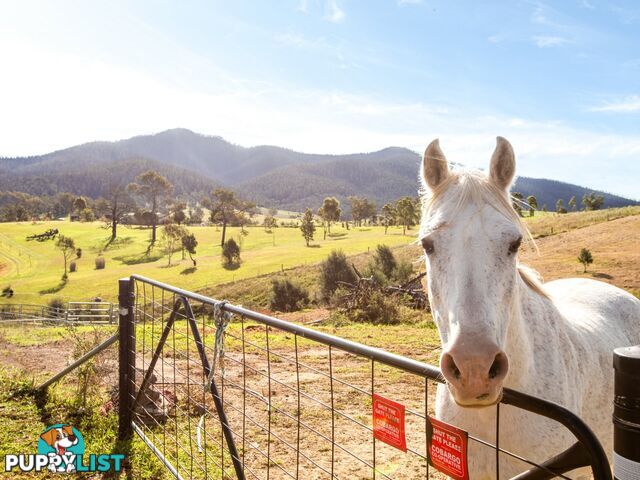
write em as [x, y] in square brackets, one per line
[154, 188]
[560, 206]
[87, 215]
[406, 212]
[177, 212]
[269, 223]
[225, 208]
[196, 214]
[308, 226]
[516, 201]
[330, 211]
[572, 203]
[356, 209]
[172, 235]
[592, 201]
[231, 252]
[115, 206]
[368, 209]
[585, 258]
[384, 260]
[189, 243]
[68, 248]
[79, 204]
[388, 216]
[533, 204]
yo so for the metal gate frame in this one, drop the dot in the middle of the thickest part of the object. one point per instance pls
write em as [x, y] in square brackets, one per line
[586, 452]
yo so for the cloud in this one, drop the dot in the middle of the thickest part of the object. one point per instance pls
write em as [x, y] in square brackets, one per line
[82, 99]
[497, 38]
[627, 105]
[298, 40]
[334, 13]
[303, 6]
[548, 41]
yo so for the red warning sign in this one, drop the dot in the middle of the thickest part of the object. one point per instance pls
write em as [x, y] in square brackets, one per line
[388, 422]
[447, 447]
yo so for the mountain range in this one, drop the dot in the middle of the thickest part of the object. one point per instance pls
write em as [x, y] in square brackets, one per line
[271, 176]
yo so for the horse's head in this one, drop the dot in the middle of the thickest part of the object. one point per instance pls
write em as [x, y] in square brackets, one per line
[471, 235]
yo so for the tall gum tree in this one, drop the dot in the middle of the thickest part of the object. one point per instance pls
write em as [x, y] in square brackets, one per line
[155, 189]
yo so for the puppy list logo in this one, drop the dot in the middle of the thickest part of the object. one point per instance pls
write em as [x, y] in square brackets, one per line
[61, 449]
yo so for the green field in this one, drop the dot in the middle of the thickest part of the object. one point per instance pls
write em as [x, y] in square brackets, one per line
[34, 269]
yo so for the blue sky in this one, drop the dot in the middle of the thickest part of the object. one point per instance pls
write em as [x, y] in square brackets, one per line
[561, 80]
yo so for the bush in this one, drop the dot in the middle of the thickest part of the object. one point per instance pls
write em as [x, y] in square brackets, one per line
[58, 306]
[403, 271]
[7, 292]
[72, 267]
[375, 308]
[585, 258]
[333, 270]
[384, 260]
[288, 297]
[231, 252]
[100, 264]
[78, 252]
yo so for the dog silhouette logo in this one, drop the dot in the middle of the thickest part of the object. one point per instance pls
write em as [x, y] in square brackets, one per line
[60, 439]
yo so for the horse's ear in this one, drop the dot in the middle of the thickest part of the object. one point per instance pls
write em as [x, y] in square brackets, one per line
[503, 164]
[434, 165]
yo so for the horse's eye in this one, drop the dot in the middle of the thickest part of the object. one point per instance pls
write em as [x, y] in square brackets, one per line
[515, 245]
[427, 244]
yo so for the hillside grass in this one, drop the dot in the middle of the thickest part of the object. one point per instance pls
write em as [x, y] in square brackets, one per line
[34, 269]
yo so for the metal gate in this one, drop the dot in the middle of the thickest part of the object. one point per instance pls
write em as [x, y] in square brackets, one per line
[257, 397]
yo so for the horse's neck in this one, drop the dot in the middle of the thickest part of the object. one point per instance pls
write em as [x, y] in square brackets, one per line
[534, 323]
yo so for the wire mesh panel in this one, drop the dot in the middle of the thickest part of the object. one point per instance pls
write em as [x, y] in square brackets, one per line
[224, 392]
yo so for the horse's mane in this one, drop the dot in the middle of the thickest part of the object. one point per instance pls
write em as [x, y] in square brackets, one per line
[475, 186]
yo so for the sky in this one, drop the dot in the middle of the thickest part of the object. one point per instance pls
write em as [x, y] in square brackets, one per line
[560, 80]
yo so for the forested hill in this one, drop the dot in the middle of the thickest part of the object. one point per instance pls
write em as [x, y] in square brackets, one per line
[273, 176]
[93, 178]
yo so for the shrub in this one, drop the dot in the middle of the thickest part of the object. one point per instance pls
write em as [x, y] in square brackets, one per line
[231, 252]
[384, 260]
[288, 297]
[403, 271]
[72, 266]
[78, 252]
[334, 270]
[57, 306]
[100, 264]
[7, 292]
[375, 308]
[585, 258]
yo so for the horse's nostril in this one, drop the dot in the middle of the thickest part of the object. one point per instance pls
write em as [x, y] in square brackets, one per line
[493, 371]
[498, 366]
[456, 372]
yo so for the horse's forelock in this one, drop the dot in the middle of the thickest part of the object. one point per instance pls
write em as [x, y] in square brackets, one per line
[476, 186]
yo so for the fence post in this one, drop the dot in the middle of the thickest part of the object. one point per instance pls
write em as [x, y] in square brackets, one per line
[626, 413]
[126, 358]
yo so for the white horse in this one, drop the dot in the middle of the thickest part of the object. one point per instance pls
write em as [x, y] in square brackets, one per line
[499, 326]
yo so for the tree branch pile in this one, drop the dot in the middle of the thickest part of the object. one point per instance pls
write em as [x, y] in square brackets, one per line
[411, 292]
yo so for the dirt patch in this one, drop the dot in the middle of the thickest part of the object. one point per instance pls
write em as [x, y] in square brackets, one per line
[36, 359]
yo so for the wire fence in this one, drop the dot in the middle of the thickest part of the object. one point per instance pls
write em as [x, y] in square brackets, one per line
[218, 391]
